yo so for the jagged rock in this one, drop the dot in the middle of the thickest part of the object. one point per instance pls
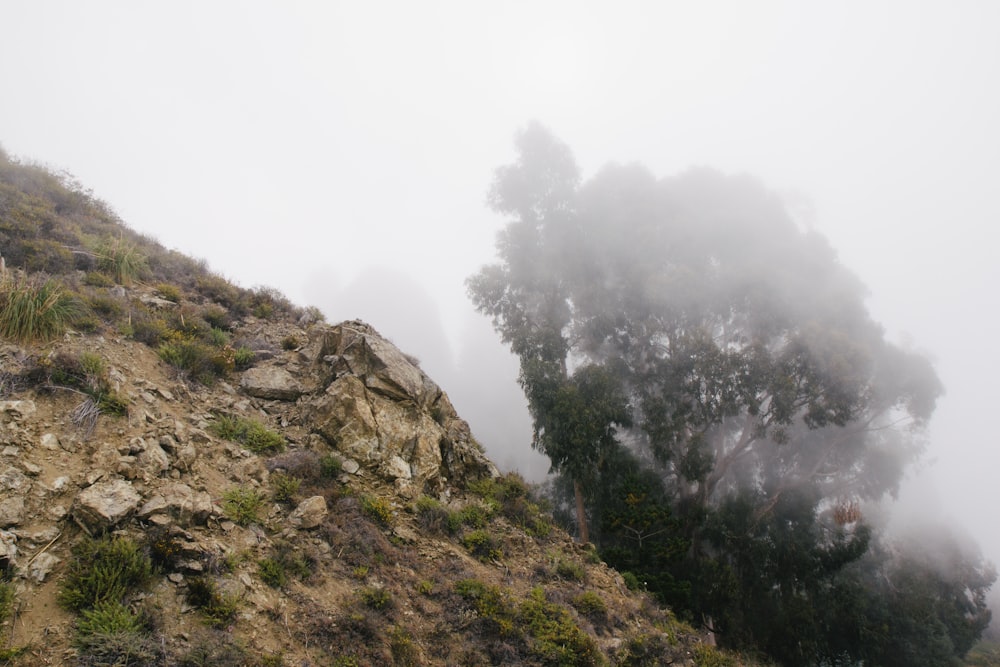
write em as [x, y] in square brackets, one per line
[42, 566]
[153, 459]
[11, 511]
[343, 415]
[396, 468]
[49, 441]
[17, 409]
[14, 480]
[104, 505]
[310, 513]
[8, 549]
[271, 382]
[181, 502]
[355, 348]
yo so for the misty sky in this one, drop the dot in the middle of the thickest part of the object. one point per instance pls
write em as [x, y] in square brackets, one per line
[341, 152]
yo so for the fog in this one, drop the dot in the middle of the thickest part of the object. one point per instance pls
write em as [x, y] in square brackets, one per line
[342, 152]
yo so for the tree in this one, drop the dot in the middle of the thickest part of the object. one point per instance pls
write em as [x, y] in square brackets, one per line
[741, 347]
[574, 413]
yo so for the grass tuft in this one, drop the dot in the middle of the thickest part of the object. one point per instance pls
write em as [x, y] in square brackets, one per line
[35, 310]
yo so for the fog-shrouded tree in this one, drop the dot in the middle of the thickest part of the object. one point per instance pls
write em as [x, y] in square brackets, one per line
[737, 361]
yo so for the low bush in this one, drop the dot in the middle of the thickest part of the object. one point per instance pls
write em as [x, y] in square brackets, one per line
[7, 600]
[103, 570]
[590, 604]
[169, 292]
[248, 432]
[285, 487]
[35, 309]
[120, 258]
[376, 598]
[218, 609]
[482, 545]
[243, 505]
[377, 509]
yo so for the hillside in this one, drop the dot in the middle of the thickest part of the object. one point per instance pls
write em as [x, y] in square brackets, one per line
[195, 473]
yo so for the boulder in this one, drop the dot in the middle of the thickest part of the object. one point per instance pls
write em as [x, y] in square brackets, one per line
[181, 502]
[271, 382]
[17, 409]
[104, 505]
[310, 513]
[11, 511]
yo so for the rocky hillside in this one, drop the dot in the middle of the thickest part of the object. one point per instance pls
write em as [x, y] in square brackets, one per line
[196, 474]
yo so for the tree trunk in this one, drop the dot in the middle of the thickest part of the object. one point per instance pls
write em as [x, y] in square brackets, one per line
[581, 515]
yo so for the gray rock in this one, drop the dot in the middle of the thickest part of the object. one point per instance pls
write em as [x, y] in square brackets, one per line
[272, 383]
[104, 505]
[42, 566]
[310, 513]
[14, 480]
[11, 511]
[181, 502]
[17, 409]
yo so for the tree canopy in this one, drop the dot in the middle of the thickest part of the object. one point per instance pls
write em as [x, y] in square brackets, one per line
[686, 327]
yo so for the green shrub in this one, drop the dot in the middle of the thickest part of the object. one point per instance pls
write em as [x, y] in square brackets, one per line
[631, 581]
[120, 649]
[103, 570]
[217, 317]
[169, 292]
[474, 515]
[496, 611]
[243, 358]
[377, 509]
[243, 505]
[217, 337]
[709, 656]
[376, 598]
[107, 618]
[272, 572]
[203, 362]
[482, 545]
[285, 486]
[218, 609]
[35, 310]
[121, 259]
[432, 516]
[330, 466]
[555, 638]
[96, 279]
[248, 432]
[590, 603]
[570, 570]
[404, 650]
[289, 343]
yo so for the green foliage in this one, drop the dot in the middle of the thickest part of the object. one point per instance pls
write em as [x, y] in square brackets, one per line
[169, 292]
[285, 487]
[556, 639]
[709, 656]
[272, 572]
[219, 610]
[243, 358]
[377, 509]
[482, 545]
[567, 569]
[376, 598]
[202, 361]
[34, 309]
[88, 374]
[425, 587]
[248, 432]
[289, 343]
[433, 516]
[330, 466]
[121, 649]
[108, 618]
[590, 603]
[121, 259]
[243, 505]
[103, 571]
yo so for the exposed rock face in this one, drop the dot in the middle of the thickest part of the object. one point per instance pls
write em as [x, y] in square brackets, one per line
[271, 382]
[104, 505]
[381, 410]
[181, 503]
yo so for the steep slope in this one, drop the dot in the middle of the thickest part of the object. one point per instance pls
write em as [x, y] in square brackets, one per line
[196, 474]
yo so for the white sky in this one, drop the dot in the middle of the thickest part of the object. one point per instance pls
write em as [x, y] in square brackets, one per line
[297, 144]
